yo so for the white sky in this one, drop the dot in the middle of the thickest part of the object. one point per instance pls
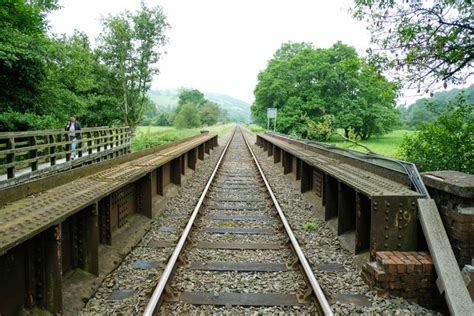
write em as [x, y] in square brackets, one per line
[221, 45]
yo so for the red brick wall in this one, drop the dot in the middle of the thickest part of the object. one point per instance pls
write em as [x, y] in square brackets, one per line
[410, 275]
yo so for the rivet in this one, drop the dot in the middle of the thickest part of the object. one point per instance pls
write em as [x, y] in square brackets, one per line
[400, 211]
[386, 227]
[386, 211]
[386, 236]
[399, 245]
[386, 218]
[400, 227]
[386, 245]
[399, 236]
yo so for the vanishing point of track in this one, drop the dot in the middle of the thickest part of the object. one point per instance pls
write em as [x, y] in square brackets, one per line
[238, 196]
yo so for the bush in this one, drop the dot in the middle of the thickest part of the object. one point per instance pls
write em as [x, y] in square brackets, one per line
[15, 121]
[149, 140]
[445, 144]
[188, 117]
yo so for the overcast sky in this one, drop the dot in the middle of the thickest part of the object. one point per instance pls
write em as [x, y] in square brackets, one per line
[221, 45]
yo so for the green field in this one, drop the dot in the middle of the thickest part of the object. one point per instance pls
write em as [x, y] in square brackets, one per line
[152, 136]
[386, 145]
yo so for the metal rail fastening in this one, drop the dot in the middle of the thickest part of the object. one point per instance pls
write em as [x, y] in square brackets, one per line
[160, 288]
[299, 252]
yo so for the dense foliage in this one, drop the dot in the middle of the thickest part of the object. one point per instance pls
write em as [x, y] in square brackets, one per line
[426, 110]
[318, 90]
[46, 78]
[445, 144]
[194, 110]
[425, 41]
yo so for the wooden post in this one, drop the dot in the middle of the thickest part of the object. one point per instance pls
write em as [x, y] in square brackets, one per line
[51, 150]
[10, 158]
[33, 153]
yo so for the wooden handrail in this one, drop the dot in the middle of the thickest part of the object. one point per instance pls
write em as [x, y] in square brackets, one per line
[27, 149]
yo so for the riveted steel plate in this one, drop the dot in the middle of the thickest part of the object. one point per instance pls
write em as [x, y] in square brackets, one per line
[238, 245]
[238, 200]
[239, 299]
[25, 218]
[354, 299]
[120, 173]
[239, 266]
[154, 160]
[146, 264]
[238, 218]
[330, 267]
[239, 231]
[161, 244]
[119, 295]
[361, 180]
[218, 207]
[167, 229]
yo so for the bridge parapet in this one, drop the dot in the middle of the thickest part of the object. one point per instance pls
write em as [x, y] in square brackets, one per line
[25, 155]
[373, 207]
[55, 225]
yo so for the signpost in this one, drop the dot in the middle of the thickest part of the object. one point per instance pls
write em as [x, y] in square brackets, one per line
[271, 114]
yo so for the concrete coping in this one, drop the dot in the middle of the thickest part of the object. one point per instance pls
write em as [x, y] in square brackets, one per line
[454, 182]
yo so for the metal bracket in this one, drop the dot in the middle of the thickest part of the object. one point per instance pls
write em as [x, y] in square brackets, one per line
[306, 297]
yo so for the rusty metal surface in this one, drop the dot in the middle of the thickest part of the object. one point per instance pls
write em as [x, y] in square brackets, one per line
[119, 295]
[241, 299]
[161, 244]
[354, 299]
[331, 267]
[238, 245]
[239, 231]
[239, 218]
[22, 219]
[239, 266]
[361, 180]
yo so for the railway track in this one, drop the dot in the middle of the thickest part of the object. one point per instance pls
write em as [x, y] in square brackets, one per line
[238, 250]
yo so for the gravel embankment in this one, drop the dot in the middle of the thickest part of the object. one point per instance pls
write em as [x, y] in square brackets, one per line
[322, 246]
[143, 281]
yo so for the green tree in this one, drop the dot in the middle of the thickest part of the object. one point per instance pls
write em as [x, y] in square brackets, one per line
[23, 43]
[311, 83]
[130, 47]
[209, 113]
[190, 95]
[445, 144]
[188, 117]
[429, 41]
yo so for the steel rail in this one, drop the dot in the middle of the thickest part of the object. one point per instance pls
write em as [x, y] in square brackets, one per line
[304, 263]
[158, 292]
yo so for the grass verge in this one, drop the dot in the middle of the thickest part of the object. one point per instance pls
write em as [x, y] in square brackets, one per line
[152, 136]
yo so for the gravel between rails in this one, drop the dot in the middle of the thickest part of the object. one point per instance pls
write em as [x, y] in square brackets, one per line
[322, 246]
[143, 281]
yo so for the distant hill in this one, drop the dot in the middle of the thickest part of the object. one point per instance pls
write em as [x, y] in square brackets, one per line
[237, 110]
[426, 110]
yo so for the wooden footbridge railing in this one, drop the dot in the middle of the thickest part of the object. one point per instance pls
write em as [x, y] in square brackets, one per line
[25, 153]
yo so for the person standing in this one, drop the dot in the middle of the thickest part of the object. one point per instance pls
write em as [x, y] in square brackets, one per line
[73, 126]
